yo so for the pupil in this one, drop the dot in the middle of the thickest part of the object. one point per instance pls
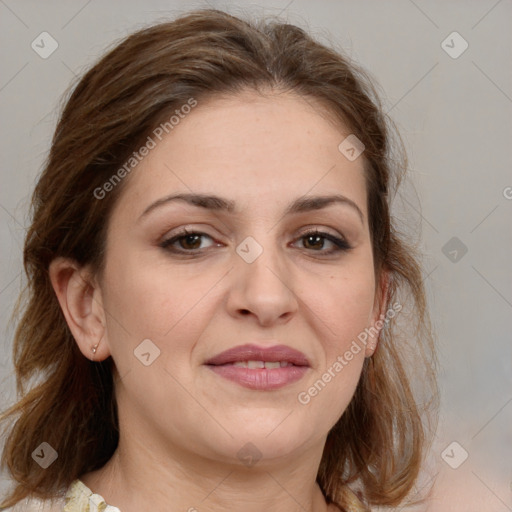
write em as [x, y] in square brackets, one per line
[317, 238]
[191, 238]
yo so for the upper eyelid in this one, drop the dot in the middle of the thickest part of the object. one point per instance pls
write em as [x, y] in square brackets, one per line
[301, 232]
[320, 229]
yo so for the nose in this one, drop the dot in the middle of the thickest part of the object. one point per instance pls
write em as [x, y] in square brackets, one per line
[262, 284]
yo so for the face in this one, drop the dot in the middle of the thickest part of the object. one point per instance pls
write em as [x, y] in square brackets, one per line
[254, 274]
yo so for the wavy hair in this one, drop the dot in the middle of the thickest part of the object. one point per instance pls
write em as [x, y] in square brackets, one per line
[373, 454]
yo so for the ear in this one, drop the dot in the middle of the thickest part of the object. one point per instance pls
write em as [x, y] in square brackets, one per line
[81, 302]
[378, 314]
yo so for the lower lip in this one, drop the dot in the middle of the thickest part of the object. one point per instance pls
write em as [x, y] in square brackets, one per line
[262, 379]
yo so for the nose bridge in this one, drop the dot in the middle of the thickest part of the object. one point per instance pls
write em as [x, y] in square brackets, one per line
[259, 253]
[262, 277]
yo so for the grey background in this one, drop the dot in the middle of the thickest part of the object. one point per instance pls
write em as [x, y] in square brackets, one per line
[455, 118]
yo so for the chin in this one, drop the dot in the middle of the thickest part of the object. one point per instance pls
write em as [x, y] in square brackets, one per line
[270, 440]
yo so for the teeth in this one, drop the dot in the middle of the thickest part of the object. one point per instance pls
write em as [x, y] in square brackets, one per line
[254, 365]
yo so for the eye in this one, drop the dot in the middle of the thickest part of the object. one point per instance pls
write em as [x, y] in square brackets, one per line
[190, 241]
[315, 241]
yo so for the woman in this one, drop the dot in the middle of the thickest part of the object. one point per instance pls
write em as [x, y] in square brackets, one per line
[212, 264]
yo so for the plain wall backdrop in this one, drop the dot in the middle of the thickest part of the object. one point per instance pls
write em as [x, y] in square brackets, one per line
[444, 69]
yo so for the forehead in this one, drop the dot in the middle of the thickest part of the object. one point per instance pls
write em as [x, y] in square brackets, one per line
[269, 148]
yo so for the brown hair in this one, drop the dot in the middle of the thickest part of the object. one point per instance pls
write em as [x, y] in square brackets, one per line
[376, 447]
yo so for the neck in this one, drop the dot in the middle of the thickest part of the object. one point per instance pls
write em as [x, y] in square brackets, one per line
[137, 476]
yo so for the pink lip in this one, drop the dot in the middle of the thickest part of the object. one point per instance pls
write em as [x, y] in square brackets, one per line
[261, 378]
[255, 353]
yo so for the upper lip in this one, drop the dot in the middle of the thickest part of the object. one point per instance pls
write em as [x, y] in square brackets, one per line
[254, 353]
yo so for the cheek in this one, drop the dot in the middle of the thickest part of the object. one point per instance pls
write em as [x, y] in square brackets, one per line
[343, 313]
[146, 302]
[154, 302]
[345, 305]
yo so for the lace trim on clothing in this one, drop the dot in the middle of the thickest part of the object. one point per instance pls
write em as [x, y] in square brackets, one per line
[80, 498]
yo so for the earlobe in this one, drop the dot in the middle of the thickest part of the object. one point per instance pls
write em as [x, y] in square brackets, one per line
[80, 300]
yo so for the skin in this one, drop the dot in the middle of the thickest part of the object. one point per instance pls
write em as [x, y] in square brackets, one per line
[181, 425]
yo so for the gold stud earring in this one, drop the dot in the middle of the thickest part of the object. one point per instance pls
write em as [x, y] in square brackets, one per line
[94, 351]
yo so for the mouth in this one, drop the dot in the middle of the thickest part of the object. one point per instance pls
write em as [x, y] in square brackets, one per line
[255, 355]
[258, 368]
[254, 365]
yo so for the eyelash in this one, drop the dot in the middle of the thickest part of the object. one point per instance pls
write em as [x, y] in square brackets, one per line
[340, 244]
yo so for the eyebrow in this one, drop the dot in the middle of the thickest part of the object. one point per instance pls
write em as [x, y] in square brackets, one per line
[216, 203]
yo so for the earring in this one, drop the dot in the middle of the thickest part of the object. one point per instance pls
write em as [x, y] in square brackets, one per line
[94, 351]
